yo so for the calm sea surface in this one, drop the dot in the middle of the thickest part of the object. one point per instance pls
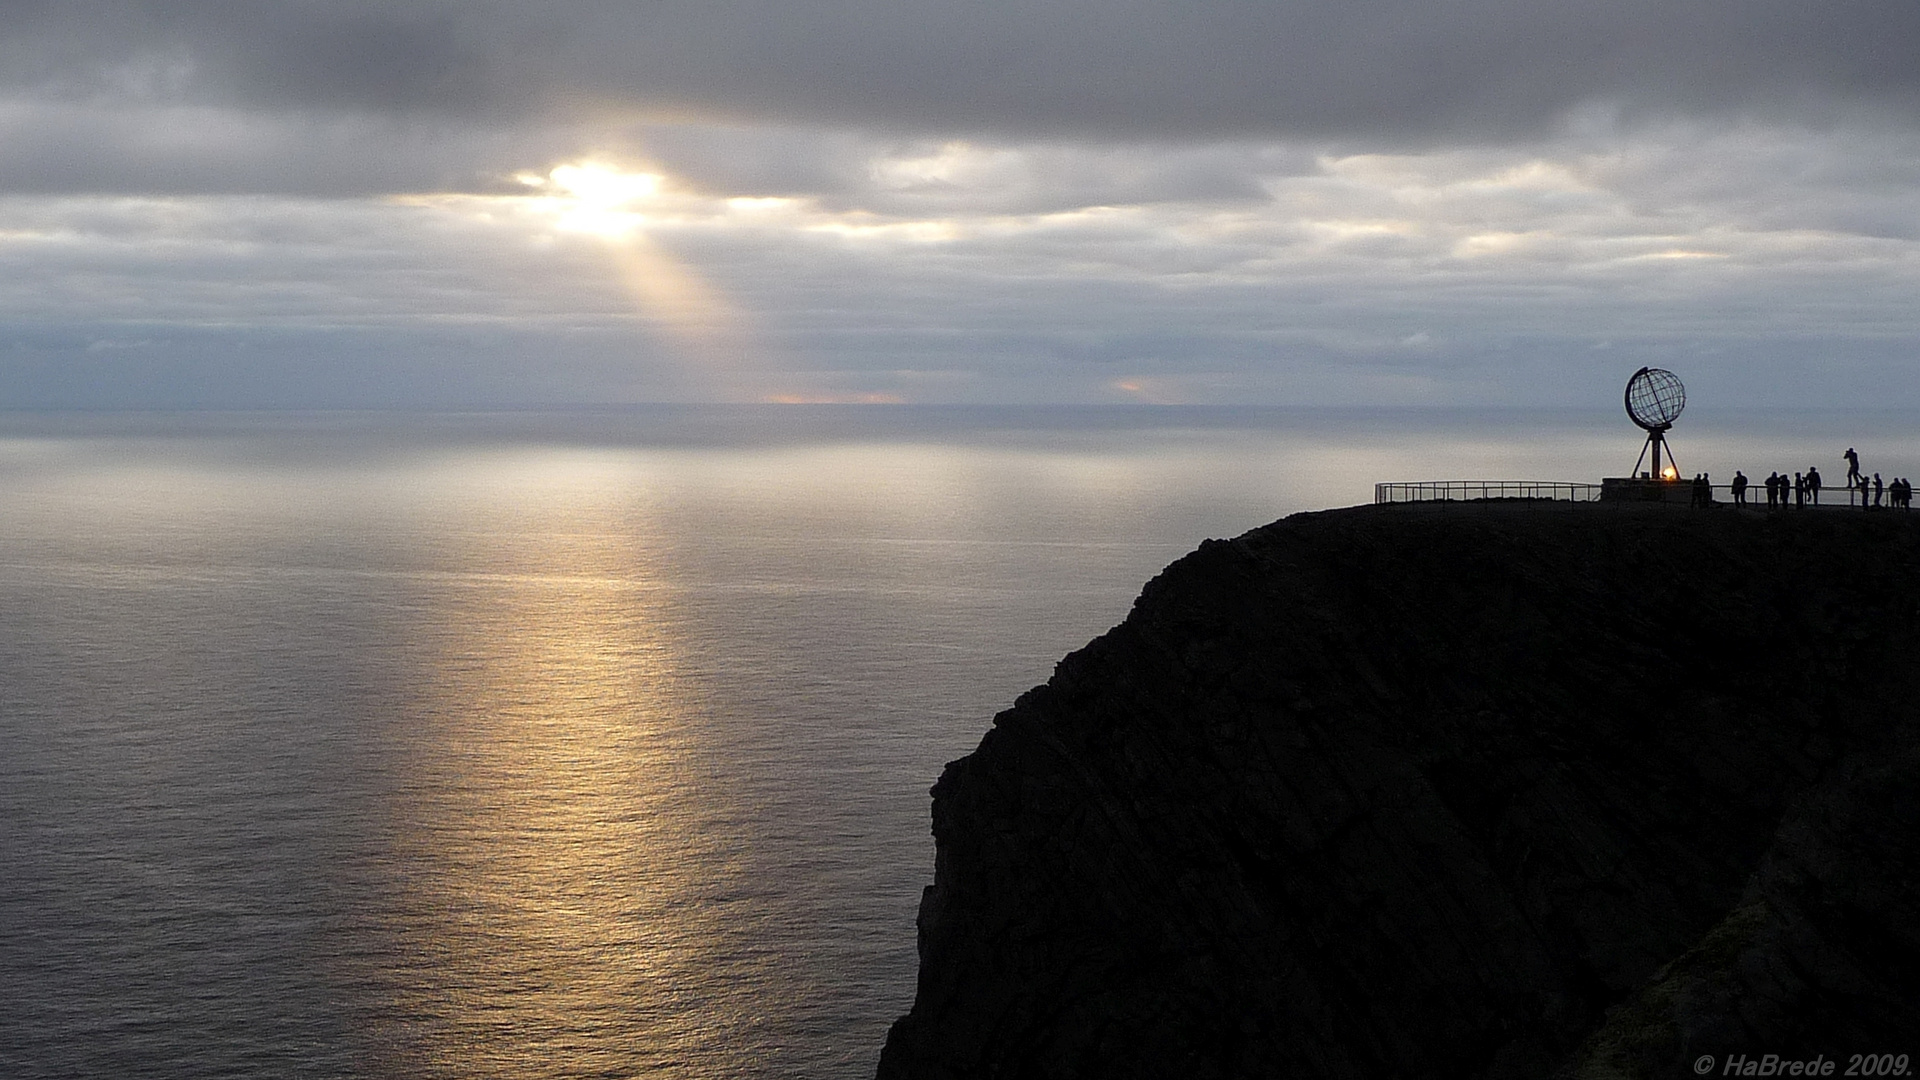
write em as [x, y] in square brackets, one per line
[581, 745]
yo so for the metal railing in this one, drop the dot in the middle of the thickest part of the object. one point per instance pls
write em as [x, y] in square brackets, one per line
[1756, 495]
[1463, 490]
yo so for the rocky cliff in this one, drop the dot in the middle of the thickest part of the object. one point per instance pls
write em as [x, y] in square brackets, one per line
[1473, 790]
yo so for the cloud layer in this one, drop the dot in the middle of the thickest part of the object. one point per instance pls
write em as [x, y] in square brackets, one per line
[357, 203]
[352, 96]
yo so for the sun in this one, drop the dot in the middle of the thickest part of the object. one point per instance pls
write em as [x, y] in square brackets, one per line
[595, 198]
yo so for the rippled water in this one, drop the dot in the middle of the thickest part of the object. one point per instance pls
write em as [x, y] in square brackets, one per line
[589, 745]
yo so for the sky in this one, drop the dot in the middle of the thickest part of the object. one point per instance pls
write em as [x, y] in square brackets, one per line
[294, 204]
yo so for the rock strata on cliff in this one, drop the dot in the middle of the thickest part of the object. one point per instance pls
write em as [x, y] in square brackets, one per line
[1496, 790]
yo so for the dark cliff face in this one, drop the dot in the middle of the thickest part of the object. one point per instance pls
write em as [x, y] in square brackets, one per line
[1465, 791]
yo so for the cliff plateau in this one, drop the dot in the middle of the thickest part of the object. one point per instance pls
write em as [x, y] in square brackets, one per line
[1472, 790]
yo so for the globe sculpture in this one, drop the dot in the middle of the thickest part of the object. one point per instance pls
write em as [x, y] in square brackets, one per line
[1654, 399]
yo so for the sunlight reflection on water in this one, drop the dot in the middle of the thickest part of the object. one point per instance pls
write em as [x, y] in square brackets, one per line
[568, 873]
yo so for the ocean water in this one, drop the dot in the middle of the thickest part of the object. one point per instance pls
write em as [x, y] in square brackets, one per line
[589, 744]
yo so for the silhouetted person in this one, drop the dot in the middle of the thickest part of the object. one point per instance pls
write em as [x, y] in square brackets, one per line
[1773, 489]
[1799, 491]
[1878, 490]
[1739, 488]
[1861, 487]
[1853, 467]
[1813, 484]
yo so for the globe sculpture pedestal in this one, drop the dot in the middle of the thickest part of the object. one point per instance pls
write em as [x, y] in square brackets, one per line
[1644, 489]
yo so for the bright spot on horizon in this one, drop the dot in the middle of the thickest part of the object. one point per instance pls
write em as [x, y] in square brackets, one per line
[1150, 391]
[873, 398]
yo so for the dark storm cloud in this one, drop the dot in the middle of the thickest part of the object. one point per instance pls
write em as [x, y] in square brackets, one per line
[337, 55]
[65, 148]
[1111, 67]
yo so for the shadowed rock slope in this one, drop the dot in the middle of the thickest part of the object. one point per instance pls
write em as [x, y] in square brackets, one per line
[1494, 790]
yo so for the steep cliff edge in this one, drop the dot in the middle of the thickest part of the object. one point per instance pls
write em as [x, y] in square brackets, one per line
[1500, 790]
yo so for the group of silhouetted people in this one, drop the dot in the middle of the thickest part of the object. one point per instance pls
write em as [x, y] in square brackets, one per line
[1899, 493]
[1801, 487]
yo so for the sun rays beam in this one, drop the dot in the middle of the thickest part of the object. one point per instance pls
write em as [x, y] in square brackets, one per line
[616, 207]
